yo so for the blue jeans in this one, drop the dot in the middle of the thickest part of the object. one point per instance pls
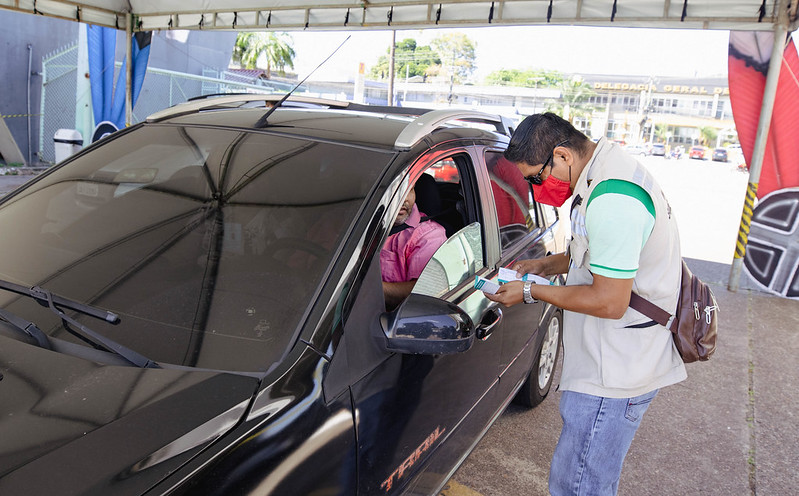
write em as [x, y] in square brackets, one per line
[596, 435]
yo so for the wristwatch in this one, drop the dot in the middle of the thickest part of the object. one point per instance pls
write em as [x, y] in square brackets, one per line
[528, 298]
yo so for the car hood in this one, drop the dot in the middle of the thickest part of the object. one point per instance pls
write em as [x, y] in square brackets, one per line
[72, 426]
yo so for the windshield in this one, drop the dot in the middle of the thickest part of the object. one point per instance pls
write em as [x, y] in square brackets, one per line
[209, 244]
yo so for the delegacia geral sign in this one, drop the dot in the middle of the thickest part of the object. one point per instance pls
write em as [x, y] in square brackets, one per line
[666, 88]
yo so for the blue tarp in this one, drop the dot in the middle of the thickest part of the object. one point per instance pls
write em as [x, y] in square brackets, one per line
[108, 104]
[101, 46]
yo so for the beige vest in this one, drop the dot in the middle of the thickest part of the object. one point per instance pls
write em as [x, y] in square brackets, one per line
[607, 357]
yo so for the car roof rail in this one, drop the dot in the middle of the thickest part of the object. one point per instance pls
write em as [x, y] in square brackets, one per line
[426, 123]
[221, 102]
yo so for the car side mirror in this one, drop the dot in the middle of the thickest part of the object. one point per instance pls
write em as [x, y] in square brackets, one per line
[425, 325]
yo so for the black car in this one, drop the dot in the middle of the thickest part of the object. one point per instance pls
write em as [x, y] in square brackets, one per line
[193, 305]
[720, 155]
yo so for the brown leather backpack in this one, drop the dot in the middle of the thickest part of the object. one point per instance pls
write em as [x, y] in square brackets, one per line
[695, 324]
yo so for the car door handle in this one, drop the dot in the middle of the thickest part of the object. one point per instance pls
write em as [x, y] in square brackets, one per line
[491, 318]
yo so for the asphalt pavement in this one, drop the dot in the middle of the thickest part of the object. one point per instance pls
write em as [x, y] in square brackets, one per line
[8, 182]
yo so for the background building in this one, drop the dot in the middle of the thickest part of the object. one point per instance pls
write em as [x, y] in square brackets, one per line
[634, 109]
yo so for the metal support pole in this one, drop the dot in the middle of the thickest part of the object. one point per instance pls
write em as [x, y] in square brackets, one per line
[129, 69]
[30, 73]
[766, 110]
[391, 67]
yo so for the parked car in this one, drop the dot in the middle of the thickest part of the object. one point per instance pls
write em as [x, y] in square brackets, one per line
[194, 305]
[637, 150]
[659, 150]
[697, 152]
[444, 171]
[720, 155]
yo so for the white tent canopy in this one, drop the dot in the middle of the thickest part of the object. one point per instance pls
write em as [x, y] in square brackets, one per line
[288, 15]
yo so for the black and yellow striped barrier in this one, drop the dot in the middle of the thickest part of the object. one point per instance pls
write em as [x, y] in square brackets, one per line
[746, 220]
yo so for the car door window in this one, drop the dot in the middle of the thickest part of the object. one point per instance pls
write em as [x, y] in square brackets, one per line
[516, 210]
[463, 255]
[456, 261]
[549, 215]
[438, 200]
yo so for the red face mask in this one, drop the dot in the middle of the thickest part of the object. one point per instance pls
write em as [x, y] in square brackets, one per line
[552, 191]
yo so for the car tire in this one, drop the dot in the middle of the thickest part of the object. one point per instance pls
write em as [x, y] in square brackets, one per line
[539, 381]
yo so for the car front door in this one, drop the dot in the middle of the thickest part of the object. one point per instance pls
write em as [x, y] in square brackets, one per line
[411, 406]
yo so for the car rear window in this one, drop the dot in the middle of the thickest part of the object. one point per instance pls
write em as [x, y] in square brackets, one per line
[209, 243]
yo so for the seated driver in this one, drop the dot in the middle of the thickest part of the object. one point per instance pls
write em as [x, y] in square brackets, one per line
[412, 242]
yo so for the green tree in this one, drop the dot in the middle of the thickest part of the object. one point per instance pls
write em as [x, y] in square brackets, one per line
[661, 132]
[409, 58]
[573, 102]
[524, 78]
[276, 47]
[707, 135]
[457, 54]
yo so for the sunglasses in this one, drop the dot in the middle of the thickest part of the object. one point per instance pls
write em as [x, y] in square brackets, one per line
[536, 179]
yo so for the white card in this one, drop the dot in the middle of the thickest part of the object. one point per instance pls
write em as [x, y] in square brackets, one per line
[485, 285]
[506, 275]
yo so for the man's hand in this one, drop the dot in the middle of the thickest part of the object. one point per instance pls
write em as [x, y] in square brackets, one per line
[535, 266]
[508, 294]
[547, 266]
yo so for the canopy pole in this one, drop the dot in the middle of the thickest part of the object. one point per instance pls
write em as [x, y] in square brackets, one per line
[128, 68]
[391, 55]
[766, 110]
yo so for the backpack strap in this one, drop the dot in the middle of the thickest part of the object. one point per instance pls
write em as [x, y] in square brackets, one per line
[651, 310]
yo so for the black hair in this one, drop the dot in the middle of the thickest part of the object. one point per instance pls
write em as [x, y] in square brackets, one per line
[535, 137]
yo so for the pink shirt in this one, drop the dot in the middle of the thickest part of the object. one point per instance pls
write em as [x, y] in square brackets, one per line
[405, 254]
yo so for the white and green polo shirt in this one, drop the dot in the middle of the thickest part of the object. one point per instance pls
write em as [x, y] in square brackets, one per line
[616, 246]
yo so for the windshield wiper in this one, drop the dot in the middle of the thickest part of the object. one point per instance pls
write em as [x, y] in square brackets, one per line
[40, 295]
[48, 299]
[27, 327]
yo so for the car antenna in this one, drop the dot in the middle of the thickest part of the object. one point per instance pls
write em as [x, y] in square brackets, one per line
[262, 121]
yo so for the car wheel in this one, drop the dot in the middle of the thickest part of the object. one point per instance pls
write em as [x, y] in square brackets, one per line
[540, 379]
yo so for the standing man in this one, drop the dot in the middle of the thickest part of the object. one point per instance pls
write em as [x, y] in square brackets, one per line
[624, 238]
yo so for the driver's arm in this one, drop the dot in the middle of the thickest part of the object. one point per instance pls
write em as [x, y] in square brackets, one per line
[395, 292]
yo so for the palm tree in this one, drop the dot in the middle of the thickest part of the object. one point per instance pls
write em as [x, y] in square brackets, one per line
[276, 47]
[708, 135]
[573, 102]
[662, 132]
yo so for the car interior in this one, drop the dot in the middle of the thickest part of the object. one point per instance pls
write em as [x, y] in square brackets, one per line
[442, 202]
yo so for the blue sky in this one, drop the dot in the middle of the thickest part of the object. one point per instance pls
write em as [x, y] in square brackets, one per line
[570, 49]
